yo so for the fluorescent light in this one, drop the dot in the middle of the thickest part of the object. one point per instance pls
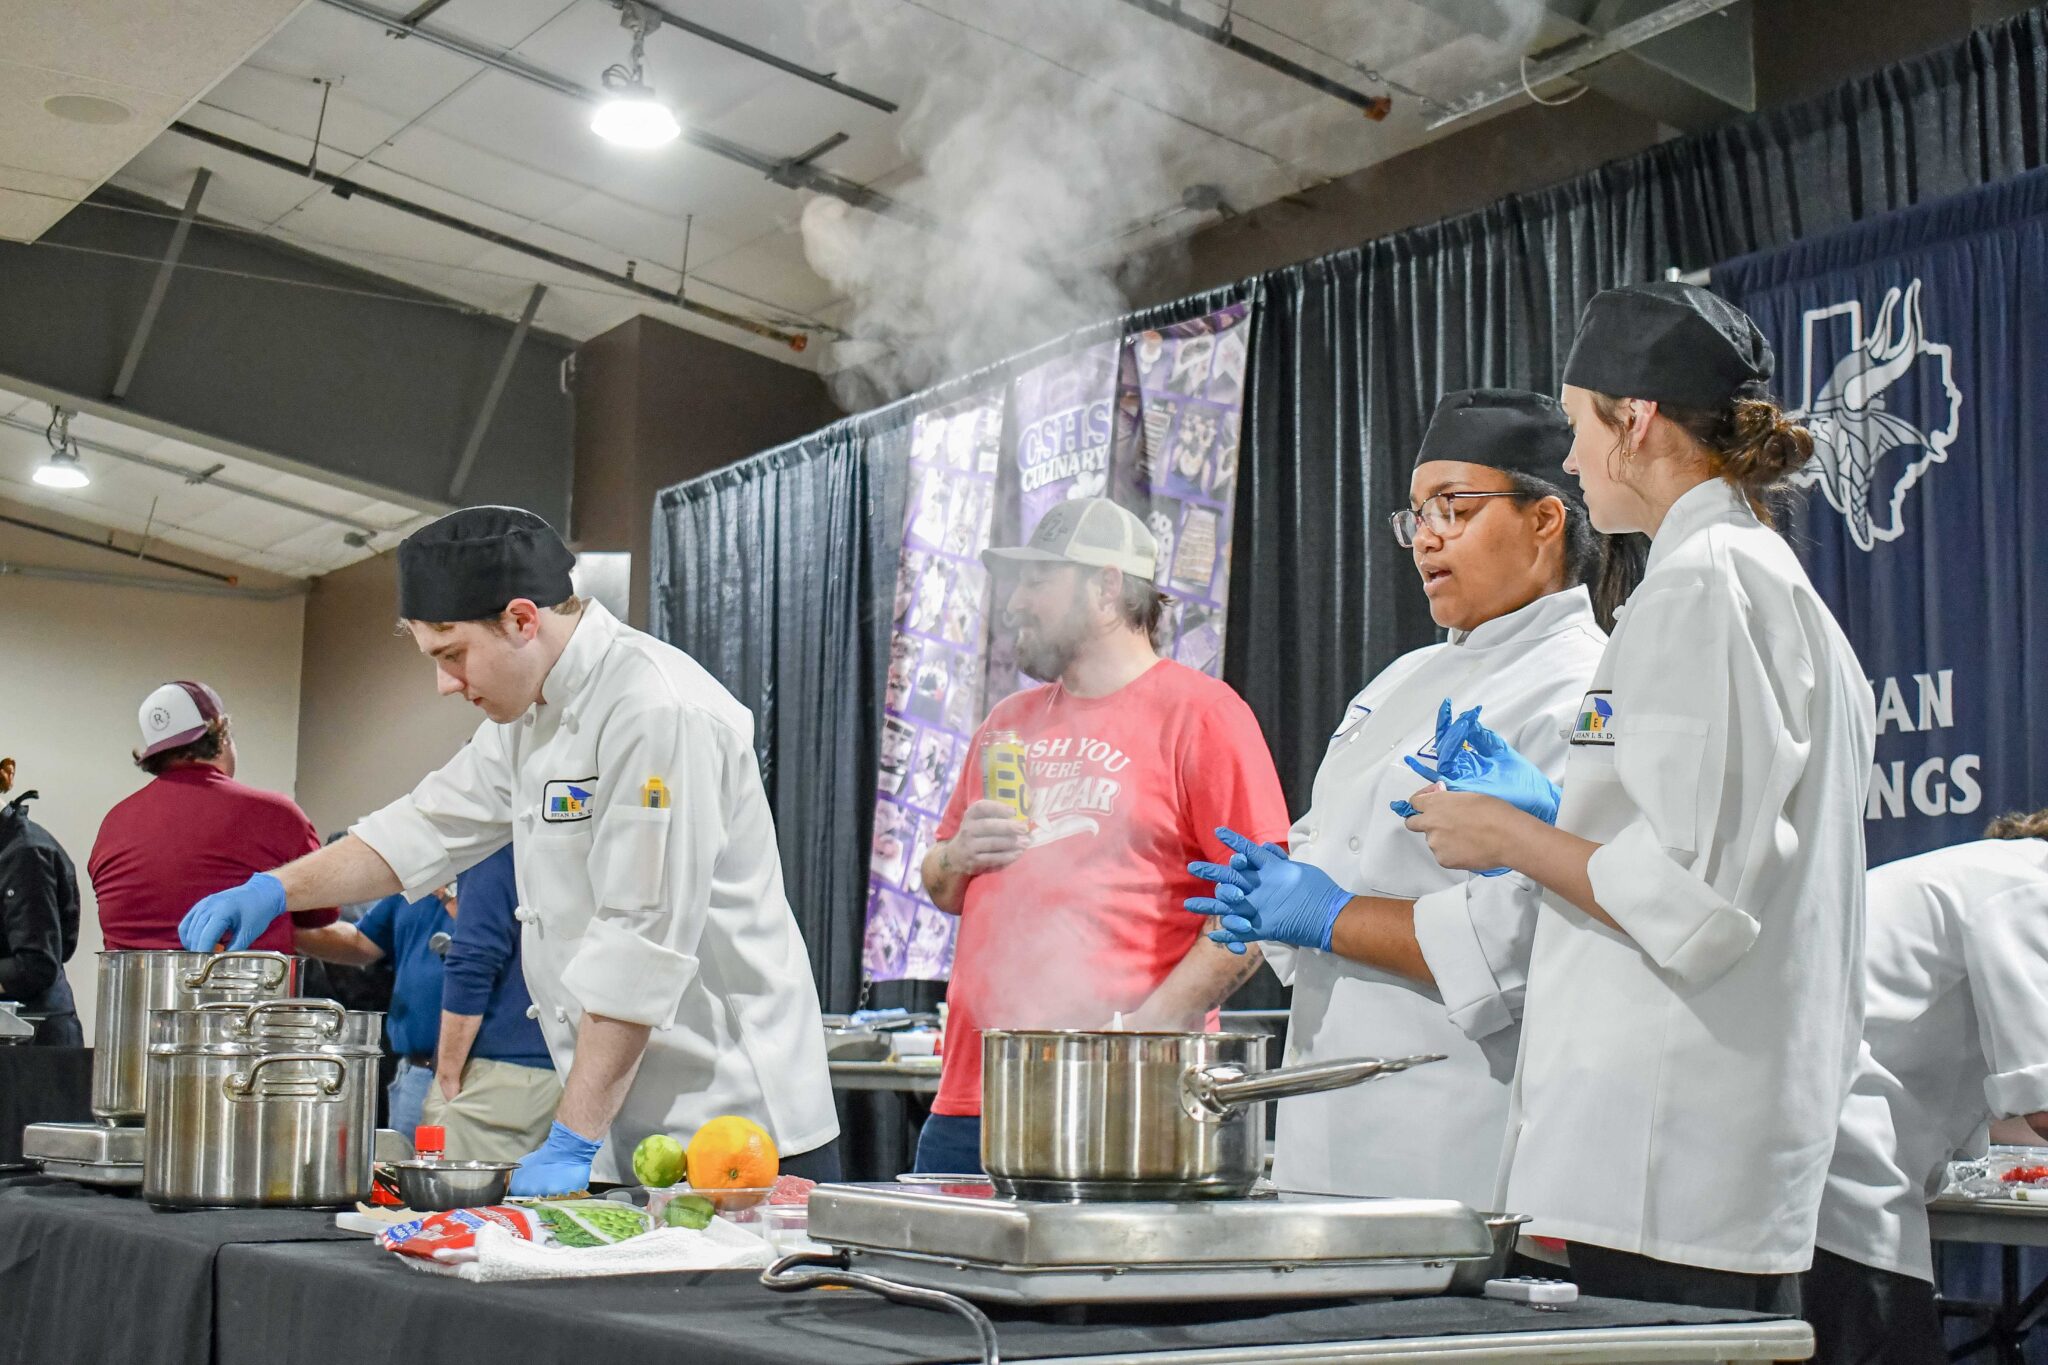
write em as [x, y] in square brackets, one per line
[635, 118]
[62, 470]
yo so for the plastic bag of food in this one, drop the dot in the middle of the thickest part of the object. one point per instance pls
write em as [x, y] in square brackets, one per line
[451, 1236]
[591, 1222]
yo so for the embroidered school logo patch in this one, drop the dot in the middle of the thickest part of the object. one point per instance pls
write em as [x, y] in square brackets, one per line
[1596, 720]
[565, 800]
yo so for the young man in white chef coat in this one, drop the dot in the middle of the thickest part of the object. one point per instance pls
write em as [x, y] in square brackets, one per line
[1390, 954]
[1695, 998]
[1955, 1034]
[666, 970]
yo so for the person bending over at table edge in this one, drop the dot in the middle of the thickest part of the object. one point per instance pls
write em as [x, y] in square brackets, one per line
[667, 972]
[1073, 914]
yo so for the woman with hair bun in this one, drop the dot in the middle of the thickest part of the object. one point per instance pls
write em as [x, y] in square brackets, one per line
[1694, 1003]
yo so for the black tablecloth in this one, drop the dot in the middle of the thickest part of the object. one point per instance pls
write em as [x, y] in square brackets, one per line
[277, 1304]
[88, 1276]
[91, 1276]
[41, 1085]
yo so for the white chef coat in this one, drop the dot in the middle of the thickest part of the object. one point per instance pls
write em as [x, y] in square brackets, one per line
[1679, 1085]
[667, 912]
[1955, 1034]
[1434, 1132]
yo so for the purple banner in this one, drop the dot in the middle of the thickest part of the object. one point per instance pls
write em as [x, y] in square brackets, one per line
[1153, 421]
[937, 664]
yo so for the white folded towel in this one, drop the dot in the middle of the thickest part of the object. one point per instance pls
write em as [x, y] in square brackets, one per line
[498, 1255]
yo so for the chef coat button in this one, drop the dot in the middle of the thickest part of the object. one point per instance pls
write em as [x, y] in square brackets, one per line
[561, 1015]
[533, 1011]
[1354, 843]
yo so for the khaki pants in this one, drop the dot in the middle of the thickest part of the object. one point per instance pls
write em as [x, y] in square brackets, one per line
[502, 1112]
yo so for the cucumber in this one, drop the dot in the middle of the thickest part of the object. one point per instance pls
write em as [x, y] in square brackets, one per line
[689, 1211]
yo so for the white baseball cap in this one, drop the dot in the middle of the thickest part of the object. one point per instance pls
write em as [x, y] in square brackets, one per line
[1094, 532]
[176, 714]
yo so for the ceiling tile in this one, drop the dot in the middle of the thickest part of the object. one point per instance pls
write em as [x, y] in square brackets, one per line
[399, 77]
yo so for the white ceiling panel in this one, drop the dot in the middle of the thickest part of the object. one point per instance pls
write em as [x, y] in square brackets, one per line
[635, 233]
[176, 506]
[400, 77]
[496, 23]
[495, 188]
[773, 270]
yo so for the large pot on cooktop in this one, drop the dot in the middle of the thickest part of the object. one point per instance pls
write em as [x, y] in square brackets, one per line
[1076, 1115]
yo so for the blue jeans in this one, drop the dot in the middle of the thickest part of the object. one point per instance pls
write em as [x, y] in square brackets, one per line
[949, 1144]
[407, 1093]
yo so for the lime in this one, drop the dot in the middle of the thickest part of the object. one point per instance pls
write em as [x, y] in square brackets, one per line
[658, 1161]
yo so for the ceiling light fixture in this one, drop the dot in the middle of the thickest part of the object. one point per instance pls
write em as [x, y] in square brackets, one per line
[632, 115]
[62, 469]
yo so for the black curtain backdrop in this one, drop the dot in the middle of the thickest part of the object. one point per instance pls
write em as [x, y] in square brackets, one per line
[779, 573]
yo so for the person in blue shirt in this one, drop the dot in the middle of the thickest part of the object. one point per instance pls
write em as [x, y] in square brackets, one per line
[495, 1089]
[404, 932]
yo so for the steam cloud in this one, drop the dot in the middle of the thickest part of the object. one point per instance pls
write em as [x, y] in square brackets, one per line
[1033, 178]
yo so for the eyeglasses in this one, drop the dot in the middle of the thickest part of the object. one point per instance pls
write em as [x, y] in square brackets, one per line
[1439, 514]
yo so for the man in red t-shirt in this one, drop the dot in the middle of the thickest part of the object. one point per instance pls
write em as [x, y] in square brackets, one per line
[1073, 914]
[193, 830]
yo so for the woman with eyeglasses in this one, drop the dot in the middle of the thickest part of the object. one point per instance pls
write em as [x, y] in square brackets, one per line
[1694, 1004]
[1389, 954]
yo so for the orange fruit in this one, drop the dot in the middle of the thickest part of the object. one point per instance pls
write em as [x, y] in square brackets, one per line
[731, 1153]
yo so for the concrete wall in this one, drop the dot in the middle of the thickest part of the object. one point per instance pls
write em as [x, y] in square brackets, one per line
[77, 659]
[655, 405]
[370, 722]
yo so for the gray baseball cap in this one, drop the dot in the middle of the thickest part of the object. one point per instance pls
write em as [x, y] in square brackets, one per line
[1093, 532]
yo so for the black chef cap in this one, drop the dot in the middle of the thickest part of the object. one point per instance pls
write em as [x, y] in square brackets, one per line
[1511, 429]
[1670, 343]
[470, 564]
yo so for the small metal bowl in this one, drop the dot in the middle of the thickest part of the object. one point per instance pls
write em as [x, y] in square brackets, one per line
[434, 1186]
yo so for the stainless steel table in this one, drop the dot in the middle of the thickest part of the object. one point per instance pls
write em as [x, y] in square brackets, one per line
[2007, 1226]
[1730, 1344]
[913, 1078]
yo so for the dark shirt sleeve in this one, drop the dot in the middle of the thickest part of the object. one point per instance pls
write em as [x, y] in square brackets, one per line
[31, 925]
[380, 925]
[486, 935]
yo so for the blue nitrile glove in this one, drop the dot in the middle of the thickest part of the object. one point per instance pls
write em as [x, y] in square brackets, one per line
[244, 911]
[560, 1166]
[1470, 757]
[1263, 894]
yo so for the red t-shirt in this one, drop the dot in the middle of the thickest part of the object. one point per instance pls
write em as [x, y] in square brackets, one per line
[1125, 790]
[187, 834]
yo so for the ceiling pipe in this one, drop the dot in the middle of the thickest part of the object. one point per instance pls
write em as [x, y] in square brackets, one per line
[108, 545]
[1374, 107]
[126, 580]
[345, 188]
[671, 19]
[783, 171]
[204, 478]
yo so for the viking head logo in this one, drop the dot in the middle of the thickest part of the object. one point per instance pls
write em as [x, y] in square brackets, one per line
[1866, 456]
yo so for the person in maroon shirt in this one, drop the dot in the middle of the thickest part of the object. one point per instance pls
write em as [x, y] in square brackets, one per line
[193, 830]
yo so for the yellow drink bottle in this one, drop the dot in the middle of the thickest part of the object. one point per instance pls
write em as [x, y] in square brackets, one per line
[1002, 770]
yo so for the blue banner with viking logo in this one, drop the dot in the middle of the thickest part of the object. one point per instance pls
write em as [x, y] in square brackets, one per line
[1915, 347]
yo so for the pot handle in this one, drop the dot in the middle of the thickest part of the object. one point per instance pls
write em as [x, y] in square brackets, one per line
[205, 972]
[831, 1271]
[241, 1084]
[1211, 1093]
[331, 1026]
